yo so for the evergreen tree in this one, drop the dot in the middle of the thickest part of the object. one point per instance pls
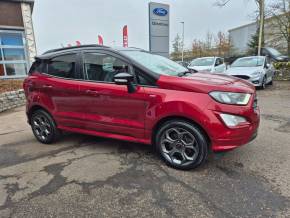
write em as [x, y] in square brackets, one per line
[253, 44]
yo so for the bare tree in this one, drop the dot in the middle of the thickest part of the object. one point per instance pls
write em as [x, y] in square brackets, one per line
[213, 45]
[177, 47]
[279, 10]
[222, 44]
[260, 18]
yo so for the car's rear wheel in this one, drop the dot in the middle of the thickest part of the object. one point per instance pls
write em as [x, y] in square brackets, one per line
[44, 127]
[271, 82]
[181, 144]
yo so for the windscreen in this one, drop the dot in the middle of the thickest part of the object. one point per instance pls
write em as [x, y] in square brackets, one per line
[249, 62]
[156, 63]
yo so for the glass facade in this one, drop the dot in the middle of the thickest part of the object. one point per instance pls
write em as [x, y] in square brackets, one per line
[13, 57]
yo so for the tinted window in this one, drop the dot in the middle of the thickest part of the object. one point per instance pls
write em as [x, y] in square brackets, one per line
[63, 66]
[143, 79]
[218, 61]
[13, 57]
[14, 39]
[13, 54]
[15, 69]
[103, 67]
[37, 66]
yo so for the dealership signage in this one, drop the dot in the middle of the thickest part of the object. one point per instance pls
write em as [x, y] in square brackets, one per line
[159, 28]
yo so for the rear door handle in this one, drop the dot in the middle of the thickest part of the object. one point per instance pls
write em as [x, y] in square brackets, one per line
[47, 86]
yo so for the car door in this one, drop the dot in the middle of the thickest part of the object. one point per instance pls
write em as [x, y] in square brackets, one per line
[59, 89]
[108, 107]
[269, 70]
[220, 67]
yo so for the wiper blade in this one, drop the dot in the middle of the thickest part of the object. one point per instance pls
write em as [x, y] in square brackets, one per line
[181, 74]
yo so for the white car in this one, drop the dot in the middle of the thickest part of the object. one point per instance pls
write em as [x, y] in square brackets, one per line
[211, 64]
[255, 69]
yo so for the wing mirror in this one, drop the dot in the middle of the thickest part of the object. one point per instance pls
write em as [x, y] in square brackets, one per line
[268, 66]
[125, 79]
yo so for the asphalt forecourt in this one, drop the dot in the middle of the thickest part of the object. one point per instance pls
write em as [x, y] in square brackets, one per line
[90, 176]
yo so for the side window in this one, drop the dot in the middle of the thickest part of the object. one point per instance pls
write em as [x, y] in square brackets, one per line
[63, 66]
[37, 66]
[143, 79]
[218, 62]
[103, 67]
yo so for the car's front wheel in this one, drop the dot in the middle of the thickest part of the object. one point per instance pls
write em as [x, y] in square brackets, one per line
[181, 144]
[263, 85]
[44, 127]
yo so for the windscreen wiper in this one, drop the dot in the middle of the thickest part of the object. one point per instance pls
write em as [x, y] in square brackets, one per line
[181, 74]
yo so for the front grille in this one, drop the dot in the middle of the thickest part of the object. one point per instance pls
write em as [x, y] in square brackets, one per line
[242, 77]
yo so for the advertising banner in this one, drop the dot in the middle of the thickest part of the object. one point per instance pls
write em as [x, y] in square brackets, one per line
[100, 40]
[125, 36]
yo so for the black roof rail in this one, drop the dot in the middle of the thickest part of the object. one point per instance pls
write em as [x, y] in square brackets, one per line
[75, 47]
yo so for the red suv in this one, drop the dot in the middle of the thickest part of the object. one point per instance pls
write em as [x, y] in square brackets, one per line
[130, 94]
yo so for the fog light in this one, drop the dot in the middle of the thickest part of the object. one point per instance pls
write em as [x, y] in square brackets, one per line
[232, 120]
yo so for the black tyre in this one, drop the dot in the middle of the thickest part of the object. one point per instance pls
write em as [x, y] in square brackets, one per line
[263, 85]
[181, 144]
[44, 127]
[271, 83]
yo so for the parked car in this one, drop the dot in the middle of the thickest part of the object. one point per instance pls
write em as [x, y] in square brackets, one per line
[255, 69]
[130, 94]
[274, 54]
[182, 63]
[211, 64]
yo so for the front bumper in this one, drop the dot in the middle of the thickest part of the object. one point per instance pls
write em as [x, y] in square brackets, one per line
[224, 138]
[256, 80]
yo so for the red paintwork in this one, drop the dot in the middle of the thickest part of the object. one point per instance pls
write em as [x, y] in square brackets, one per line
[108, 110]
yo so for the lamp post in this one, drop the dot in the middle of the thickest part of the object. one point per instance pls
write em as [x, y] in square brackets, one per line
[261, 32]
[182, 54]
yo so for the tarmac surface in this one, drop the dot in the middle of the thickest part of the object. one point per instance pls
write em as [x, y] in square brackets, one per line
[85, 176]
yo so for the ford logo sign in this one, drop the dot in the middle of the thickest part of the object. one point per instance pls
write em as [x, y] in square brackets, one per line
[160, 12]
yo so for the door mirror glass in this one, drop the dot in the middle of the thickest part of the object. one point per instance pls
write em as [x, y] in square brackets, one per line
[123, 79]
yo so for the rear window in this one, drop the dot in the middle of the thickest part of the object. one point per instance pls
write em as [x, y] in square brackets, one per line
[63, 66]
[37, 66]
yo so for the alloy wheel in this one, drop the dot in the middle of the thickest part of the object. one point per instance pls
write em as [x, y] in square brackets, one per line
[179, 146]
[42, 127]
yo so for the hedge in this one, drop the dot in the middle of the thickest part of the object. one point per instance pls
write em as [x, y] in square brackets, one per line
[282, 71]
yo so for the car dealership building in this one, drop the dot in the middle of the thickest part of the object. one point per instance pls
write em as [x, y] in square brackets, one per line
[17, 42]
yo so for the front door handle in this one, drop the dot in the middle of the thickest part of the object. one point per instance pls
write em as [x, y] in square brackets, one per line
[92, 92]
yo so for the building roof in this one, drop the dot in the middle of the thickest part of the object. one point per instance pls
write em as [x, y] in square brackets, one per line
[255, 23]
[31, 2]
[243, 26]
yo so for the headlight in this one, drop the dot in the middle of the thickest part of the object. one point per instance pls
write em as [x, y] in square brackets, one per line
[231, 97]
[232, 120]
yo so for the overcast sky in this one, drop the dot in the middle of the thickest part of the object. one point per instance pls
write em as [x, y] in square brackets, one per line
[59, 22]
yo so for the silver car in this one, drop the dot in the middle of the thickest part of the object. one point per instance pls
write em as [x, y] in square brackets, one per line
[210, 64]
[255, 69]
